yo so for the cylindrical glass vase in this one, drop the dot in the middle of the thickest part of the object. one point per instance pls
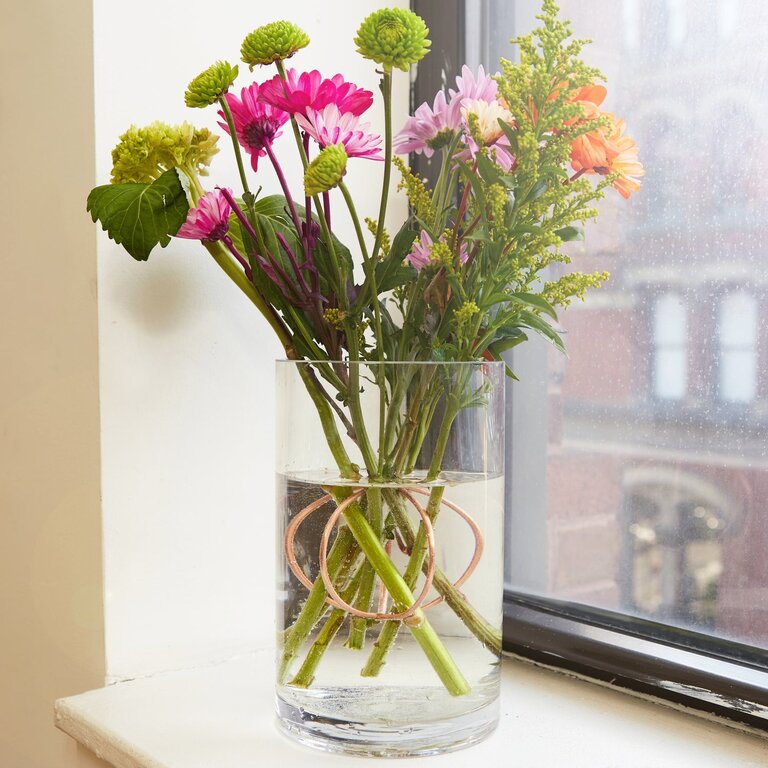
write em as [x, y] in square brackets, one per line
[390, 492]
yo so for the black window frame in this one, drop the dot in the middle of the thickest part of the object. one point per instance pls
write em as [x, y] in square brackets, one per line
[672, 665]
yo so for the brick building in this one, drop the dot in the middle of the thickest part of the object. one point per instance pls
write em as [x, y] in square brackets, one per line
[658, 451]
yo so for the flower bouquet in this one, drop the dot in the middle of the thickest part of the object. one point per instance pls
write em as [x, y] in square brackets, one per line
[390, 435]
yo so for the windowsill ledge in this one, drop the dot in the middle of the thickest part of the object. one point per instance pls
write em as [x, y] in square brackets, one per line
[222, 716]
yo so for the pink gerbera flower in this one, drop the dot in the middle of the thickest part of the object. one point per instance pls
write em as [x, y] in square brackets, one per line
[309, 90]
[329, 126]
[429, 129]
[257, 124]
[420, 255]
[209, 220]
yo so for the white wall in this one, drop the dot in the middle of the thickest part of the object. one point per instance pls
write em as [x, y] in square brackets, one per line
[186, 362]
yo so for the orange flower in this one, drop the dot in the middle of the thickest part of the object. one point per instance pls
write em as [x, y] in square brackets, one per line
[625, 160]
[606, 150]
[589, 151]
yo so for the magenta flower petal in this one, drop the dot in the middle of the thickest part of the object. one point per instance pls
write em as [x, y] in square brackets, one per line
[329, 126]
[257, 124]
[209, 220]
[309, 90]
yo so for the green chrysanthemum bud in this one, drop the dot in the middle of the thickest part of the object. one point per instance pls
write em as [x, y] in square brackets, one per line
[326, 170]
[273, 42]
[145, 153]
[209, 86]
[393, 37]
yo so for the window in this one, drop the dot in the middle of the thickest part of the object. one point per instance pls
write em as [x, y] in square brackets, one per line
[737, 336]
[637, 534]
[670, 347]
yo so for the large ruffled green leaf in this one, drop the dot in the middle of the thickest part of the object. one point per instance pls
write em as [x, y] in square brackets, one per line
[141, 216]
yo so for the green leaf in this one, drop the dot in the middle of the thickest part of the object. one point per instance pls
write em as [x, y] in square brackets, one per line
[570, 234]
[536, 301]
[487, 170]
[506, 343]
[390, 271]
[538, 189]
[272, 206]
[511, 134]
[476, 184]
[528, 319]
[140, 216]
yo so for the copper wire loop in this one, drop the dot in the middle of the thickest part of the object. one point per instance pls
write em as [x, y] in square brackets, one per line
[334, 599]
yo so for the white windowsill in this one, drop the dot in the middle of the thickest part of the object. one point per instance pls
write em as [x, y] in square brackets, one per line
[222, 717]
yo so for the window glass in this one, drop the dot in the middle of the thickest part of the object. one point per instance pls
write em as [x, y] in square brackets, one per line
[638, 470]
[670, 347]
[737, 328]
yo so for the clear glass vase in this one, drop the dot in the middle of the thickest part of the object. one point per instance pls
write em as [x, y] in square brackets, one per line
[390, 495]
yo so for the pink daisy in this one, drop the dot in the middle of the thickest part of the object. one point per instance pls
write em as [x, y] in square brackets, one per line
[429, 129]
[482, 88]
[329, 126]
[421, 252]
[210, 220]
[309, 90]
[257, 124]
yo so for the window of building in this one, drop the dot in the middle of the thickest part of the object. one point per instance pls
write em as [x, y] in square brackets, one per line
[670, 347]
[737, 336]
[636, 539]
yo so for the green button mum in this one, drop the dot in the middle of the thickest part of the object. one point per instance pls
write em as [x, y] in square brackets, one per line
[394, 38]
[209, 86]
[326, 170]
[273, 42]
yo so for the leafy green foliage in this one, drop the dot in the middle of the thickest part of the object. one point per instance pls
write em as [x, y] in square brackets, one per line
[140, 216]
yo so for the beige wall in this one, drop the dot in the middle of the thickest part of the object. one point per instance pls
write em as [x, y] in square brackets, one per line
[51, 618]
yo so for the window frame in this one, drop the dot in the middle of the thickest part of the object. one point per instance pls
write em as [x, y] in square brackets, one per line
[677, 666]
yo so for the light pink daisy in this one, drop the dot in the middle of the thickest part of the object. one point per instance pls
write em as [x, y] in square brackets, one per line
[257, 124]
[420, 255]
[429, 128]
[329, 126]
[488, 114]
[309, 90]
[482, 88]
[209, 220]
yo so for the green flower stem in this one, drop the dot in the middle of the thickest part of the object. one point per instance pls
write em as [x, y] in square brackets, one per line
[358, 626]
[355, 409]
[488, 635]
[247, 196]
[355, 220]
[412, 422]
[402, 596]
[369, 265]
[341, 558]
[386, 90]
[418, 545]
[306, 674]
